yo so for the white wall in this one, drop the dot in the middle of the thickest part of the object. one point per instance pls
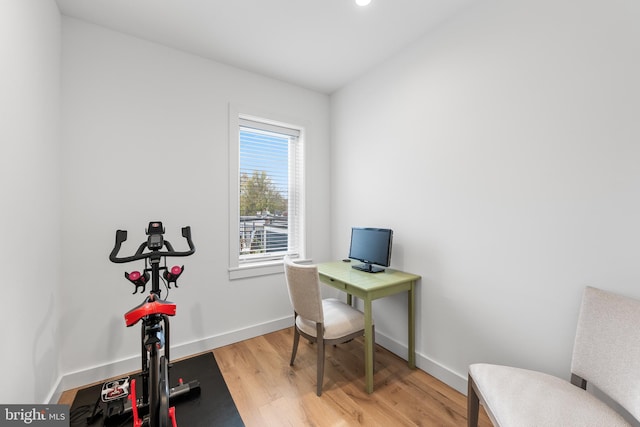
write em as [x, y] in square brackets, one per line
[145, 132]
[30, 197]
[503, 150]
[511, 183]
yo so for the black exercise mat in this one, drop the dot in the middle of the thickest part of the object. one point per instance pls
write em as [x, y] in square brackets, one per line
[212, 407]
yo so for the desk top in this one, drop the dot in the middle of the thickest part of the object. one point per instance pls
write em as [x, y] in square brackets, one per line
[342, 271]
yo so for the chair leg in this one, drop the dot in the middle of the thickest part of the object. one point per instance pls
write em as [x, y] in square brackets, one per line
[320, 342]
[473, 404]
[296, 340]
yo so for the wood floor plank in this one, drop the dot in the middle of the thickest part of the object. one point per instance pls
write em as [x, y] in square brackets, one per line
[270, 392]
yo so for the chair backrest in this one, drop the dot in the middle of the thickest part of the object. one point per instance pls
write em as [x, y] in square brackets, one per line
[304, 290]
[606, 351]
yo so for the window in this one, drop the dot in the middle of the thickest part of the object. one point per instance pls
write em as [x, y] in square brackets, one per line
[268, 198]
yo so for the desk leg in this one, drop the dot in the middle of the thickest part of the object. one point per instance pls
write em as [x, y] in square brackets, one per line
[369, 340]
[411, 357]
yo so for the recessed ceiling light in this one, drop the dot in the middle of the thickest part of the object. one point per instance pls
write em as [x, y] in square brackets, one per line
[363, 2]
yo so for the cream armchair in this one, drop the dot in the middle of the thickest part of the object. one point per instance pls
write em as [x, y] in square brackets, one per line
[606, 354]
[324, 322]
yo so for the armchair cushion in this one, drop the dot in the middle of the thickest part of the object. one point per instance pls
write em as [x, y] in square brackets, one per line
[340, 320]
[520, 398]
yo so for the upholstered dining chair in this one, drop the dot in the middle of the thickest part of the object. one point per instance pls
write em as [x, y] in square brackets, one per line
[606, 353]
[321, 321]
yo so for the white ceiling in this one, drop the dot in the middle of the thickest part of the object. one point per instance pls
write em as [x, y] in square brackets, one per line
[318, 44]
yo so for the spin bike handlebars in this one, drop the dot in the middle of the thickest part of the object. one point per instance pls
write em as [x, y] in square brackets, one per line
[154, 243]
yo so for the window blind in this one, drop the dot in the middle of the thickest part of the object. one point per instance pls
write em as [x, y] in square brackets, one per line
[270, 183]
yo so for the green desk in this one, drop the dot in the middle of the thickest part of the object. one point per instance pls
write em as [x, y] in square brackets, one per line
[368, 287]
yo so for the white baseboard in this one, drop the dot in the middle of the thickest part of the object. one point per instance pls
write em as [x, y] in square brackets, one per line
[431, 367]
[99, 373]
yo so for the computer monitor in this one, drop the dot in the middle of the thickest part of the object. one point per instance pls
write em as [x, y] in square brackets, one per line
[371, 246]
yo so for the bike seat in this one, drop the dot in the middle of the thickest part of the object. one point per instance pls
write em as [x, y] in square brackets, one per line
[151, 305]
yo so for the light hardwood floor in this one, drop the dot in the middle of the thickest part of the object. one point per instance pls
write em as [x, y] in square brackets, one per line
[269, 392]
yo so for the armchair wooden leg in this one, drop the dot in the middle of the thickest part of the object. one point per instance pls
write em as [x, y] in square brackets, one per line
[320, 342]
[296, 340]
[473, 405]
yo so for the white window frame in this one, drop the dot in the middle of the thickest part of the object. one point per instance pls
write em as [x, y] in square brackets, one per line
[258, 266]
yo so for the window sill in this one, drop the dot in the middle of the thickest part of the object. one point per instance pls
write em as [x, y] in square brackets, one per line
[259, 269]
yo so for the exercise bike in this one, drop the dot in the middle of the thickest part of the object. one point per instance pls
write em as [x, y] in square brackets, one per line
[153, 408]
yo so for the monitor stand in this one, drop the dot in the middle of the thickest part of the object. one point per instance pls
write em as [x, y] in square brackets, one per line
[369, 268]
